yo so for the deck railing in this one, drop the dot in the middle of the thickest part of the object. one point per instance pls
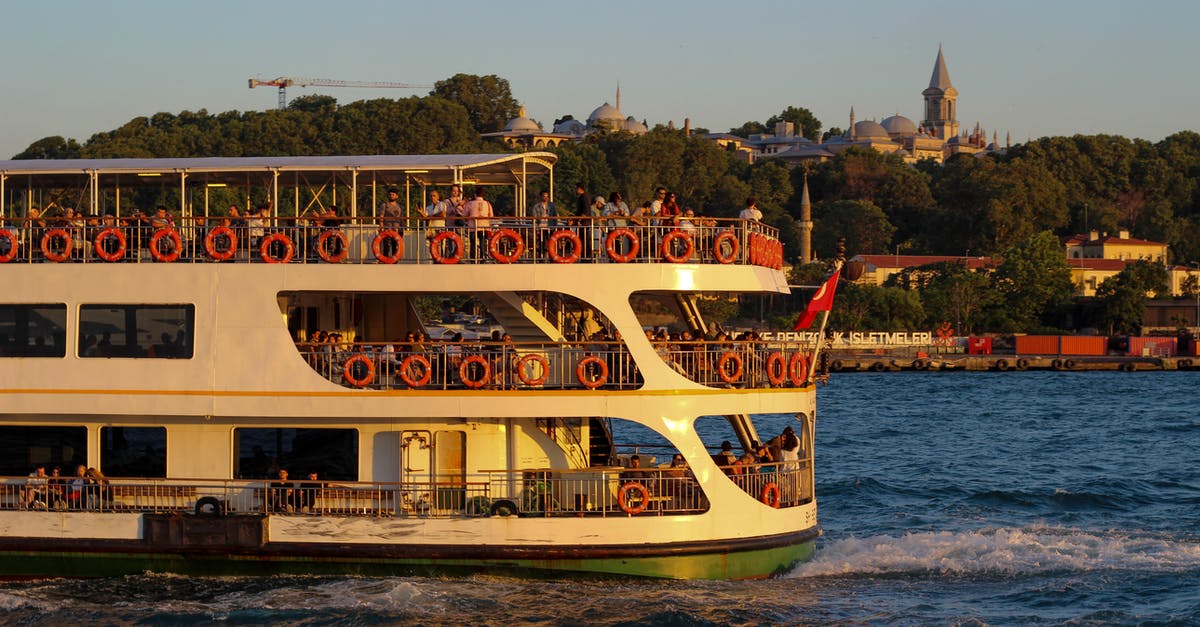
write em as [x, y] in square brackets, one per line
[486, 365]
[502, 240]
[599, 491]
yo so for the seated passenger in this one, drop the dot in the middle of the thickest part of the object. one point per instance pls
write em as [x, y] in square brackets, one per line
[281, 494]
[307, 493]
[725, 459]
[76, 492]
[36, 491]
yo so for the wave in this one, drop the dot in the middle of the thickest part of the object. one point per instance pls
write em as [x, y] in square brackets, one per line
[1003, 551]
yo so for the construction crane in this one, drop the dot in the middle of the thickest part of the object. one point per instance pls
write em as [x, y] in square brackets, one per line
[283, 82]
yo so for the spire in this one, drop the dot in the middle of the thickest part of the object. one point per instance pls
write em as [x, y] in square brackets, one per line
[805, 223]
[1008, 139]
[941, 76]
[805, 203]
[618, 95]
[853, 135]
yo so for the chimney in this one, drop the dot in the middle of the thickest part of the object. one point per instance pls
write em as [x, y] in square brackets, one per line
[1093, 236]
[687, 127]
[1123, 234]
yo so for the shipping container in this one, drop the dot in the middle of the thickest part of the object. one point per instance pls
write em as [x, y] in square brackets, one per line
[979, 345]
[1083, 345]
[1152, 346]
[1194, 348]
[1037, 344]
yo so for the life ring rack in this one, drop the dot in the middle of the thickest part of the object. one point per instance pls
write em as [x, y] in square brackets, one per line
[377, 246]
[771, 495]
[435, 248]
[581, 372]
[734, 247]
[104, 235]
[358, 381]
[464, 371]
[723, 367]
[524, 362]
[406, 367]
[13, 242]
[176, 245]
[51, 235]
[323, 251]
[610, 245]
[776, 367]
[666, 248]
[210, 244]
[517, 249]
[289, 248]
[626, 503]
[556, 238]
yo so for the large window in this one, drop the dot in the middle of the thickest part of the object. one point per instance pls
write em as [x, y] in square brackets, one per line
[133, 451]
[261, 453]
[148, 331]
[33, 330]
[24, 448]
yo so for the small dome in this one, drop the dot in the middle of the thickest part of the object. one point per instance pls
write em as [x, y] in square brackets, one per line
[899, 125]
[606, 114]
[635, 127]
[522, 124]
[570, 127]
[870, 129]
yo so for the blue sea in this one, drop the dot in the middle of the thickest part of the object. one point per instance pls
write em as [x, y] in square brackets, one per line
[946, 499]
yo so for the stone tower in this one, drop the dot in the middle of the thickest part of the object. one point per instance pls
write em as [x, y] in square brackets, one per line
[941, 105]
[806, 224]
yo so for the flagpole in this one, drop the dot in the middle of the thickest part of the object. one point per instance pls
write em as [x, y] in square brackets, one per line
[816, 355]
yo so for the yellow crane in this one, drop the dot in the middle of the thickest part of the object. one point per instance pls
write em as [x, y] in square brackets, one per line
[283, 82]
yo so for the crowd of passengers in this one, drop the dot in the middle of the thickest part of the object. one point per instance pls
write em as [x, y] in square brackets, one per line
[470, 214]
[87, 489]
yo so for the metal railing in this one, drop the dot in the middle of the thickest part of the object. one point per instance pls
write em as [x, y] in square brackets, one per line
[503, 240]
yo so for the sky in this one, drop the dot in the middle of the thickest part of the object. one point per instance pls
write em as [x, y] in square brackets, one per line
[1029, 68]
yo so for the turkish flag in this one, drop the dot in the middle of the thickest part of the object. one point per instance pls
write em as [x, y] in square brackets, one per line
[821, 301]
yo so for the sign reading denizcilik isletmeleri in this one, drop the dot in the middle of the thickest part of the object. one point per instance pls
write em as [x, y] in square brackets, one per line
[855, 339]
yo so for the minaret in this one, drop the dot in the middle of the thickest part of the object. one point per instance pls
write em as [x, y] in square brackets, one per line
[853, 135]
[806, 224]
[940, 101]
[618, 95]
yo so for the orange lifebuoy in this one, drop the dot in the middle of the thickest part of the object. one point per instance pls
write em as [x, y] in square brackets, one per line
[718, 254]
[529, 359]
[12, 239]
[776, 368]
[627, 506]
[771, 495]
[289, 249]
[323, 251]
[798, 369]
[515, 251]
[104, 235]
[377, 246]
[610, 245]
[348, 371]
[59, 234]
[176, 245]
[581, 372]
[406, 366]
[689, 246]
[723, 367]
[752, 249]
[210, 243]
[464, 371]
[556, 238]
[778, 255]
[436, 246]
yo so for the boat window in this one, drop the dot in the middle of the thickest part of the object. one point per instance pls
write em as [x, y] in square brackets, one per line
[23, 448]
[33, 330]
[142, 331]
[761, 452]
[133, 451]
[262, 453]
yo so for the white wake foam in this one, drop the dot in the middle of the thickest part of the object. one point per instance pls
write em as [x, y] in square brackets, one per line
[1005, 551]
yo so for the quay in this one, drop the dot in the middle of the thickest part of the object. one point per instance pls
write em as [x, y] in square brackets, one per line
[845, 362]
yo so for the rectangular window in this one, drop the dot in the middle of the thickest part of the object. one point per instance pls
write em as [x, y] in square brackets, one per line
[133, 451]
[143, 331]
[262, 453]
[33, 330]
[22, 449]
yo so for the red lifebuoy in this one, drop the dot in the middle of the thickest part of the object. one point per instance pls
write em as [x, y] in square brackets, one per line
[798, 370]
[436, 246]
[752, 249]
[464, 371]
[406, 368]
[557, 237]
[776, 368]
[104, 235]
[610, 245]
[377, 246]
[723, 367]
[210, 244]
[627, 506]
[176, 245]
[666, 248]
[771, 495]
[59, 234]
[356, 381]
[323, 250]
[581, 372]
[718, 251]
[515, 251]
[778, 255]
[289, 249]
[12, 239]
[525, 362]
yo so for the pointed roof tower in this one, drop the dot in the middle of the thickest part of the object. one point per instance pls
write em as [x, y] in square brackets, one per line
[806, 224]
[941, 76]
[940, 101]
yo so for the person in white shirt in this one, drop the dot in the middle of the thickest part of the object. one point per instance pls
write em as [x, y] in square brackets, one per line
[751, 211]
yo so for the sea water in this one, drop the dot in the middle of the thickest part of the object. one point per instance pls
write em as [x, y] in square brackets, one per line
[946, 498]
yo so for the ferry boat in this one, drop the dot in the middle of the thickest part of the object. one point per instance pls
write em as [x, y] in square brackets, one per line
[250, 392]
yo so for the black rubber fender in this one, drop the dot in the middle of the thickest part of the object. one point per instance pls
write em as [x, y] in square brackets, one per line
[837, 365]
[878, 366]
[1022, 363]
[504, 507]
[209, 506]
[1069, 364]
[1001, 365]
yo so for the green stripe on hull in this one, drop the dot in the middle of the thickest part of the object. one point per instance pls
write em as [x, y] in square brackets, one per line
[750, 564]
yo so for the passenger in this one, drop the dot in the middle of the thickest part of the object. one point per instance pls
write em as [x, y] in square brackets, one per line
[282, 494]
[751, 211]
[436, 211]
[307, 493]
[99, 494]
[56, 489]
[480, 212]
[256, 227]
[634, 473]
[581, 200]
[543, 213]
[36, 493]
[725, 459]
[77, 489]
[161, 219]
[669, 211]
[392, 214]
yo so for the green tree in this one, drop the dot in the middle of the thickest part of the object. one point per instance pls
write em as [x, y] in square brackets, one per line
[949, 291]
[806, 124]
[1121, 299]
[1033, 282]
[874, 308]
[865, 227]
[488, 99]
[54, 147]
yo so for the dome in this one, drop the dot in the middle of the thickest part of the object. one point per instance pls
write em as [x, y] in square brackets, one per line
[899, 125]
[870, 129]
[633, 126]
[606, 114]
[522, 124]
[570, 127]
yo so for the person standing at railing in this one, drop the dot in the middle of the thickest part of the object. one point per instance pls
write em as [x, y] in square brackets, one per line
[436, 212]
[479, 211]
[99, 494]
[617, 213]
[543, 213]
[281, 494]
[308, 492]
[256, 227]
[789, 455]
[392, 214]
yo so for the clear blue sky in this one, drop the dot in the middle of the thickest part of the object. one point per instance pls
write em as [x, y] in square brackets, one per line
[1032, 68]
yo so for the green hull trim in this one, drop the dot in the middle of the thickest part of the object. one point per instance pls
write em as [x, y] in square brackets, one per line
[745, 564]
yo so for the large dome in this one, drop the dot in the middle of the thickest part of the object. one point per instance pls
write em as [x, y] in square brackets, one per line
[633, 126]
[570, 127]
[606, 114]
[522, 124]
[899, 125]
[870, 129]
